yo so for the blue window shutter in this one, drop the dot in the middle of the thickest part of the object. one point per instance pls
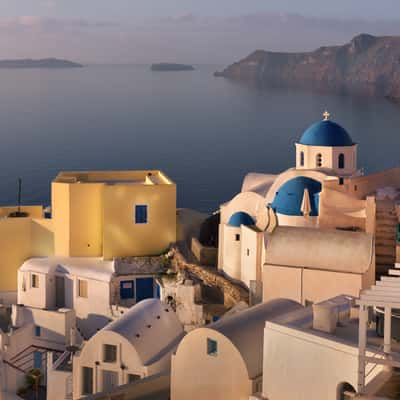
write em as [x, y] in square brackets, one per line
[141, 214]
[37, 331]
[144, 289]
[37, 360]
[127, 290]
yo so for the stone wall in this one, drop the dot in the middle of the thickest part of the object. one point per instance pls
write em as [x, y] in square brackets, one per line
[205, 255]
[233, 293]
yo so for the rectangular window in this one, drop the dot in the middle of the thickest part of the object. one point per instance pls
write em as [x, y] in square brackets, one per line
[109, 353]
[341, 181]
[87, 380]
[34, 281]
[38, 331]
[82, 288]
[248, 252]
[37, 360]
[127, 290]
[237, 237]
[133, 378]
[141, 214]
[212, 347]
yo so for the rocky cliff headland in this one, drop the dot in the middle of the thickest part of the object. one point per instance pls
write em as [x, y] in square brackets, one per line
[367, 64]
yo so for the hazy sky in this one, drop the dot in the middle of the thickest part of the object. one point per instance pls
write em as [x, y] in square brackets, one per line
[111, 9]
[193, 31]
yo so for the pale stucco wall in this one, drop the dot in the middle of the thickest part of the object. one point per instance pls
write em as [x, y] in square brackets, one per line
[196, 375]
[251, 262]
[93, 352]
[282, 283]
[232, 251]
[299, 365]
[310, 285]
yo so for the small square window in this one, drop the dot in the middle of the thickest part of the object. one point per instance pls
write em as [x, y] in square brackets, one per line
[38, 331]
[133, 378]
[110, 353]
[237, 237]
[82, 288]
[141, 214]
[34, 281]
[212, 347]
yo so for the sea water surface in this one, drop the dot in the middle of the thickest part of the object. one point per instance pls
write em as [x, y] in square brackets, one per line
[206, 133]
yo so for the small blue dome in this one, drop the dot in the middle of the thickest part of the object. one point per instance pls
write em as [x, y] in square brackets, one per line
[326, 133]
[289, 198]
[241, 218]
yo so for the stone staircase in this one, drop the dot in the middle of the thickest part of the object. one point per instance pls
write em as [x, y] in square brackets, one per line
[385, 236]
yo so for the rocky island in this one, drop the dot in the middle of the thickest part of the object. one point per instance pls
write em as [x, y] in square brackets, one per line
[41, 63]
[368, 64]
[161, 67]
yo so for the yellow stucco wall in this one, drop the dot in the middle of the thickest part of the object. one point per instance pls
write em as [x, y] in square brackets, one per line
[86, 220]
[60, 205]
[122, 237]
[20, 239]
[93, 218]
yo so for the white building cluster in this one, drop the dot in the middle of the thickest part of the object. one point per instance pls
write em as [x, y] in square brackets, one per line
[307, 245]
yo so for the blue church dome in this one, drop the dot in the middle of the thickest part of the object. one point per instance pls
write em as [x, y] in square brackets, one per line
[326, 133]
[288, 200]
[241, 218]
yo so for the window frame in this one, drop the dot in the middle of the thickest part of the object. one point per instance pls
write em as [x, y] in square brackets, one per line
[319, 160]
[80, 292]
[136, 206]
[85, 381]
[121, 289]
[131, 378]
[114, 349]
[301, 158]
[212, 347]
[34, 281]
[341, 161]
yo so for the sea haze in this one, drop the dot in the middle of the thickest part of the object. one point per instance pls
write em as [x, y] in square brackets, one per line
[206, 133]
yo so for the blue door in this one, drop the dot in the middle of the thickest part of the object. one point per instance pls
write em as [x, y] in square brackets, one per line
[37, 360]
[126, 290]
[144, 289]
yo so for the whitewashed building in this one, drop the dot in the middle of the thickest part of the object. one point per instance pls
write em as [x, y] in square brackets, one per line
[137, 345]
[99, 291]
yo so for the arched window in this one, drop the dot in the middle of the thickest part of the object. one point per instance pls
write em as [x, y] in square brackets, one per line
[302, 159]
[318, 160]
[341, 161]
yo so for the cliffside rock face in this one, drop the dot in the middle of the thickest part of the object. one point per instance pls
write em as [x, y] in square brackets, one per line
[367, 64]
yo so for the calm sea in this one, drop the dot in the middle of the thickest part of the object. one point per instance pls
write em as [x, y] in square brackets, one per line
[205, 132]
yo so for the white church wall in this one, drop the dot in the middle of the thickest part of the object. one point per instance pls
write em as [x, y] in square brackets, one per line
[232, 252]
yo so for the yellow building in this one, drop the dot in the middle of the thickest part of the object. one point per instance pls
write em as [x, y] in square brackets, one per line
[113, 213]
[94, 214]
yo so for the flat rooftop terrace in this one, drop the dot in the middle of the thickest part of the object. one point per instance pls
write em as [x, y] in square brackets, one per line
[147, 177]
